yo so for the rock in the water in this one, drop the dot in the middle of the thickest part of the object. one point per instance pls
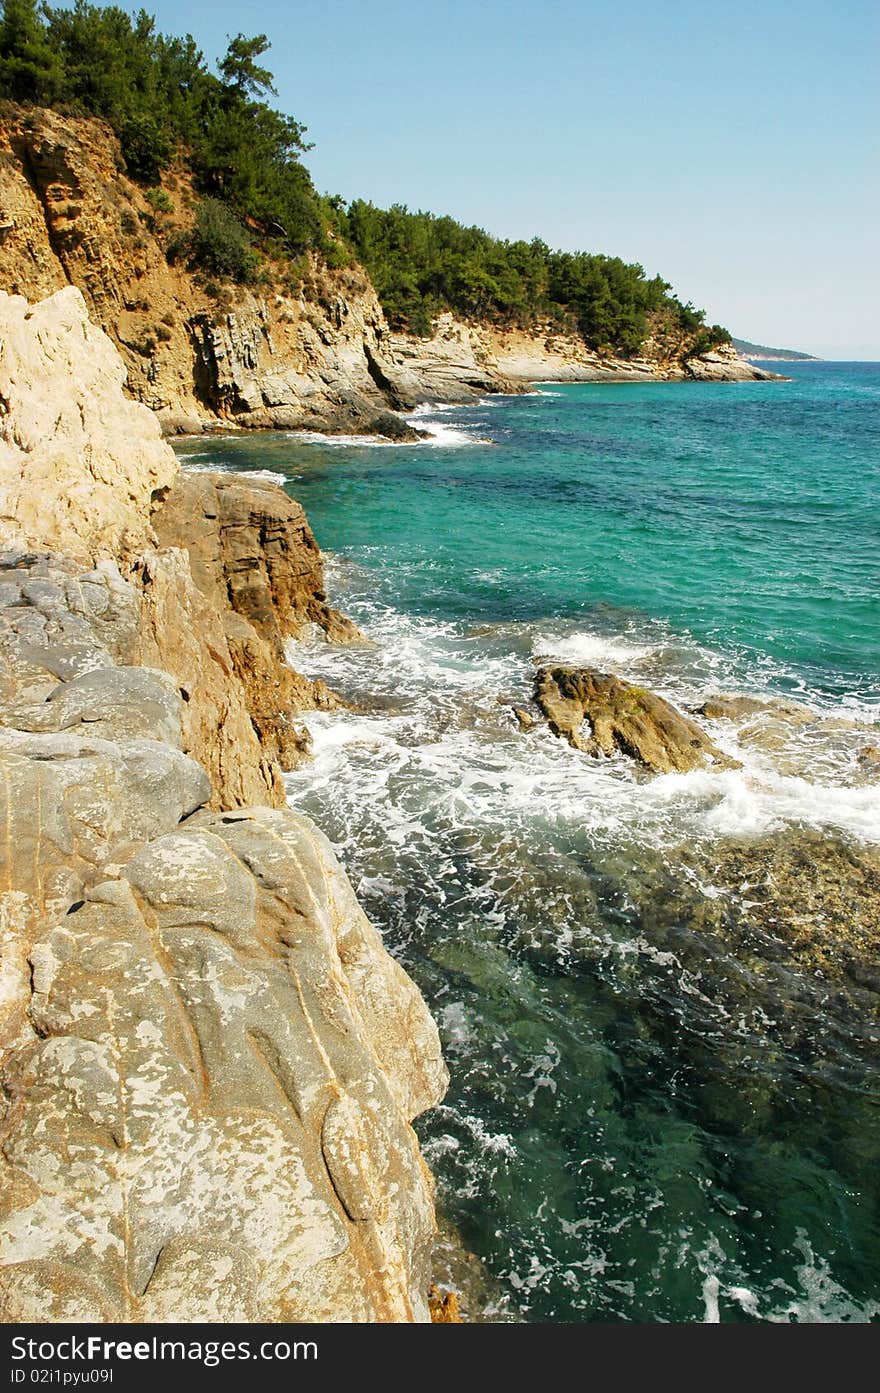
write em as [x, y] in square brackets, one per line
[524, 719]
[738, 708]
[869, 762]
[622, 717]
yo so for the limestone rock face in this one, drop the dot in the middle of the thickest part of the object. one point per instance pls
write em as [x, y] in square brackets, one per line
[65, 479]
[254, 558]
[527, 356]
[622, 717]
[250, 547]
[723, 364]
[209, 1063]
[87, 469]
[71, 216]
[455, 364]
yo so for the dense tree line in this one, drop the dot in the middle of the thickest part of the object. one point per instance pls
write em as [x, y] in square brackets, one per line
[163, 100]
[159, 96]
[421, 264]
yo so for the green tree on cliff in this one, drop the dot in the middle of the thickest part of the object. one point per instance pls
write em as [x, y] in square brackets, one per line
[245, 156]
[241, 72]
[30, 70]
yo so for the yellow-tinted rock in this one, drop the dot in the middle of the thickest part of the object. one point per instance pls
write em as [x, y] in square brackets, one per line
[79, 463]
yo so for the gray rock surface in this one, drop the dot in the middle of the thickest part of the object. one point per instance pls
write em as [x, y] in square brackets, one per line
[208, 1061]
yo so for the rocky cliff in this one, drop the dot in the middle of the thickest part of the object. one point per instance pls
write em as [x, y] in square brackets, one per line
[552, 356]
[315, 355]
[209, 1063]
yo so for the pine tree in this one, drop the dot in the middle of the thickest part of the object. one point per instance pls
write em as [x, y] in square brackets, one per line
[30, 70]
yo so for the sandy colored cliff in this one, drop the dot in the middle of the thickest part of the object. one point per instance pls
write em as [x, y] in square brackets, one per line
[209, 1062]
[317, 354]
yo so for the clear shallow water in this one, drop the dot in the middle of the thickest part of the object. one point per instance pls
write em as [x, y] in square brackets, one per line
[660, 1109]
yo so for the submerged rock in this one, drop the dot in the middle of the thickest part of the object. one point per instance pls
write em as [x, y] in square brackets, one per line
[623, 717]
[524, 719]
[869, 762]
[738, 708]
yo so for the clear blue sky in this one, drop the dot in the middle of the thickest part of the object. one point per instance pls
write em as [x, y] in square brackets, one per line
[731, 147]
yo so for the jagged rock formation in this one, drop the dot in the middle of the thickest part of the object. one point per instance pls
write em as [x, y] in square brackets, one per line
[624, 718]
[319, 357]
[254, 558]
[251, 547]
[208, 1062]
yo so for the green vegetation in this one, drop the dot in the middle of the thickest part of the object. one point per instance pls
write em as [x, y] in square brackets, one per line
[219, 243]
[159, 200]
[160, 97]
[763, 350]
[421, 265]
[164, 104]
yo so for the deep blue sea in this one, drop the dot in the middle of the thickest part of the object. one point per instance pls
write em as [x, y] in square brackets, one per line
[658, 996]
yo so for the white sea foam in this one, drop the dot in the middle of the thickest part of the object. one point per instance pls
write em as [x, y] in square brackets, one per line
[455, 744]
[431, 408]
[438, 434]
[342, 442]
[272, 476]
[817, 1298]
[451, 436]
[588, 650]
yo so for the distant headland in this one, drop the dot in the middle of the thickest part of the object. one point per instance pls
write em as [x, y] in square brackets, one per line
[745, 349]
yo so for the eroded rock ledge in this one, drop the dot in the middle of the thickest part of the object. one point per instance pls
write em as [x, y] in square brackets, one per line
[208, 1062]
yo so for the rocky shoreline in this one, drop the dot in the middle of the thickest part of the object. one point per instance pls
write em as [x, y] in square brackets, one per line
[318, 356]
[209, 1062]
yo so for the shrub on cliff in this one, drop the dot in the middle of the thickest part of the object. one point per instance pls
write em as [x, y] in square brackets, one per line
[217, 243]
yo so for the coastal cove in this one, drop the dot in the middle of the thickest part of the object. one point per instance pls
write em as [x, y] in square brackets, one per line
[657, 996]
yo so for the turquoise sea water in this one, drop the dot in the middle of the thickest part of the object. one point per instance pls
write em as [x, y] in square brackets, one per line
[664, 1106]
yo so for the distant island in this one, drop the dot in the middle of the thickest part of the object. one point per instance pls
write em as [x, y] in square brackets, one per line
[782, 355]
